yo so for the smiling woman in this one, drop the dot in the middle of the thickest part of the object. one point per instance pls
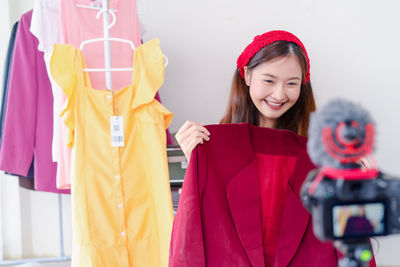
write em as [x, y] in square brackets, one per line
[240, 195]
[270, 88]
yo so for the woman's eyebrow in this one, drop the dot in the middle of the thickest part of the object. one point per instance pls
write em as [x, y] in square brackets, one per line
[270, 75]
[273, 76]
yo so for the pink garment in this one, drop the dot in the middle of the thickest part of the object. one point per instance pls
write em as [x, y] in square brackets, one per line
[79, 24]
[28, 125]
[64, 152]
[45, 26]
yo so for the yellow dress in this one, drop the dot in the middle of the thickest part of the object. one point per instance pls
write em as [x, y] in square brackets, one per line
[121, 201]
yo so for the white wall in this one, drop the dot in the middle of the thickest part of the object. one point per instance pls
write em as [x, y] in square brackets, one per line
[353, 47]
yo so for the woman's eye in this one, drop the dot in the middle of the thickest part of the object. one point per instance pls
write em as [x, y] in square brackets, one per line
[292, 84]
[268, 81]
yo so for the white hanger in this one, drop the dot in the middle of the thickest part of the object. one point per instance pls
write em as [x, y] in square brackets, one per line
[106, 39]
[95, 7]
[110, 39]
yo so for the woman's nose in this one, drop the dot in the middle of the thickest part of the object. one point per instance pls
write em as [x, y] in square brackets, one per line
[278, 92]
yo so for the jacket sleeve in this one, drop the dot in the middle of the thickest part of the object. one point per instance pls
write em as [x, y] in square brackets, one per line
[187, 242]
[18, 141]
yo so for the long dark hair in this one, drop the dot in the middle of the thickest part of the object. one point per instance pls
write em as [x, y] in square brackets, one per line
[242, 109]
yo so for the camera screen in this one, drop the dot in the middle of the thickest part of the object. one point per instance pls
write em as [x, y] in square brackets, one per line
[358, 220]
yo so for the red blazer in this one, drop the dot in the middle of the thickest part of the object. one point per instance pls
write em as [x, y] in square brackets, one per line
[218, 222]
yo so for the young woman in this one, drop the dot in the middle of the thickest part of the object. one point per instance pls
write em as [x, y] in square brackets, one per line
[240, 202]
[270, 88]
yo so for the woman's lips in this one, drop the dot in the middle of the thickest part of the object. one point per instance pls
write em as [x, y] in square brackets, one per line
[275, 106]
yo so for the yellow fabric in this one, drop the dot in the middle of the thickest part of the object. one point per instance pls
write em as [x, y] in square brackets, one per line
[121, 201]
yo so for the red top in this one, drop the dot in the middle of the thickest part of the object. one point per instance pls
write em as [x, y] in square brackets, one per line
[219, 222]
[274, 172]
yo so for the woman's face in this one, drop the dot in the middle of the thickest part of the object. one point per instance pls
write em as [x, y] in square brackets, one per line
[274, 87]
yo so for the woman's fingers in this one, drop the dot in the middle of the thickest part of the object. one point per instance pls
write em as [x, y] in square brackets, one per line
[190, 142]
[190, 135]
[190, 128]
[195, 138]
[183, 128]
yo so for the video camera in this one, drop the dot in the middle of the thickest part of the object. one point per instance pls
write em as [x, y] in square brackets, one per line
[349, 202]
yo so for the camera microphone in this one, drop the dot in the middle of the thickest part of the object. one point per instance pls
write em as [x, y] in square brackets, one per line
[347, 201]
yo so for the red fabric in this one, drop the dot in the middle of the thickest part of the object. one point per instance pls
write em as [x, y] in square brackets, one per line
[265, 39]
[273, 180]
[219, 223]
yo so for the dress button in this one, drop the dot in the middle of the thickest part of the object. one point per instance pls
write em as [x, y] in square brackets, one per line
[109, 96]
[119, 205]
[117, 176]
[122, 233]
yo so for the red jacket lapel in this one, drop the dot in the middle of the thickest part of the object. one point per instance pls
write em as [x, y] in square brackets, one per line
[244, 200]
[293, 226]
[244, 203]
[295, 217]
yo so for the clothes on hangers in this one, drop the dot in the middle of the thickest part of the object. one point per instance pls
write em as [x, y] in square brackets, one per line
[45, 26]
[80, 24]
[25, 182]
[6, 74]
[121, 202]
[220, 215]
[28, 126]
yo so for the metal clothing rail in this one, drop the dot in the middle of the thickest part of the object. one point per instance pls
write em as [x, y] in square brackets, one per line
[61, 256]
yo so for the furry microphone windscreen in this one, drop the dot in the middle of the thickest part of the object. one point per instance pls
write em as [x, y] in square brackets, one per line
[340, 133]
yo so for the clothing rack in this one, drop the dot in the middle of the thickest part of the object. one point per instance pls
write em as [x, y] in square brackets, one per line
[107, 56]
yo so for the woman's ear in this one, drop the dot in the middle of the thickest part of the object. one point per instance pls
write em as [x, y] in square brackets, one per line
[246, 76]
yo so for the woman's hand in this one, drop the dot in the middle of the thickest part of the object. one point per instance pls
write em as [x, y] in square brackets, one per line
[190, 135]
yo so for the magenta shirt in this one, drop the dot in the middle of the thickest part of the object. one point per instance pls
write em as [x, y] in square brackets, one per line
[28, 123]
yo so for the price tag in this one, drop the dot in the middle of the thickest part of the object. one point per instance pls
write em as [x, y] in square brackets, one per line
[117, 131]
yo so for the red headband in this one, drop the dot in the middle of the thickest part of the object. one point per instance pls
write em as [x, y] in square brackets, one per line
[265, 39]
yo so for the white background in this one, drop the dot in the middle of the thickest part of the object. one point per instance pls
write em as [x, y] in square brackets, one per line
[354, 50]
